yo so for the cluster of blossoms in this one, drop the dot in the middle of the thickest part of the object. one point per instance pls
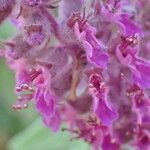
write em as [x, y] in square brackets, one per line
[85, 63]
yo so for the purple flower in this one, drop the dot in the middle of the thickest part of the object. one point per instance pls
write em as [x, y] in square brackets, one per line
[101, 107]
[53, 122]
[86, 64]
[91, 45]
[106, 114]
[140, 68]
[143, 69]
[45, 103]
[130, 27]
[35, 35]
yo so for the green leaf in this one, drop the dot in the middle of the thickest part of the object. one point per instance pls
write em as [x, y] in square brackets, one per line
[7, 30]
[38, 137]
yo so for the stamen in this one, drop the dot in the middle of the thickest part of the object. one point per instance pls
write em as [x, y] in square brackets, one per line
[71, 130]
[22, 102]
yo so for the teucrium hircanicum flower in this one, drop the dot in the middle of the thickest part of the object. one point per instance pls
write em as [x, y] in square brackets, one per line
[85, 63]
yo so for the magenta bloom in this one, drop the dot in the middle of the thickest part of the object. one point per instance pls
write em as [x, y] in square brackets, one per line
[86, 64]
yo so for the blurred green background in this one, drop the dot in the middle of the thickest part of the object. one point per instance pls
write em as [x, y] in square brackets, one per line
[24, 130]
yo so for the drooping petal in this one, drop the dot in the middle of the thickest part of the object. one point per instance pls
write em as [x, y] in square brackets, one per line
[104, 112]
[130, 27]
[91, 45]
[144, 70]
[45, 107]
[53, 122]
